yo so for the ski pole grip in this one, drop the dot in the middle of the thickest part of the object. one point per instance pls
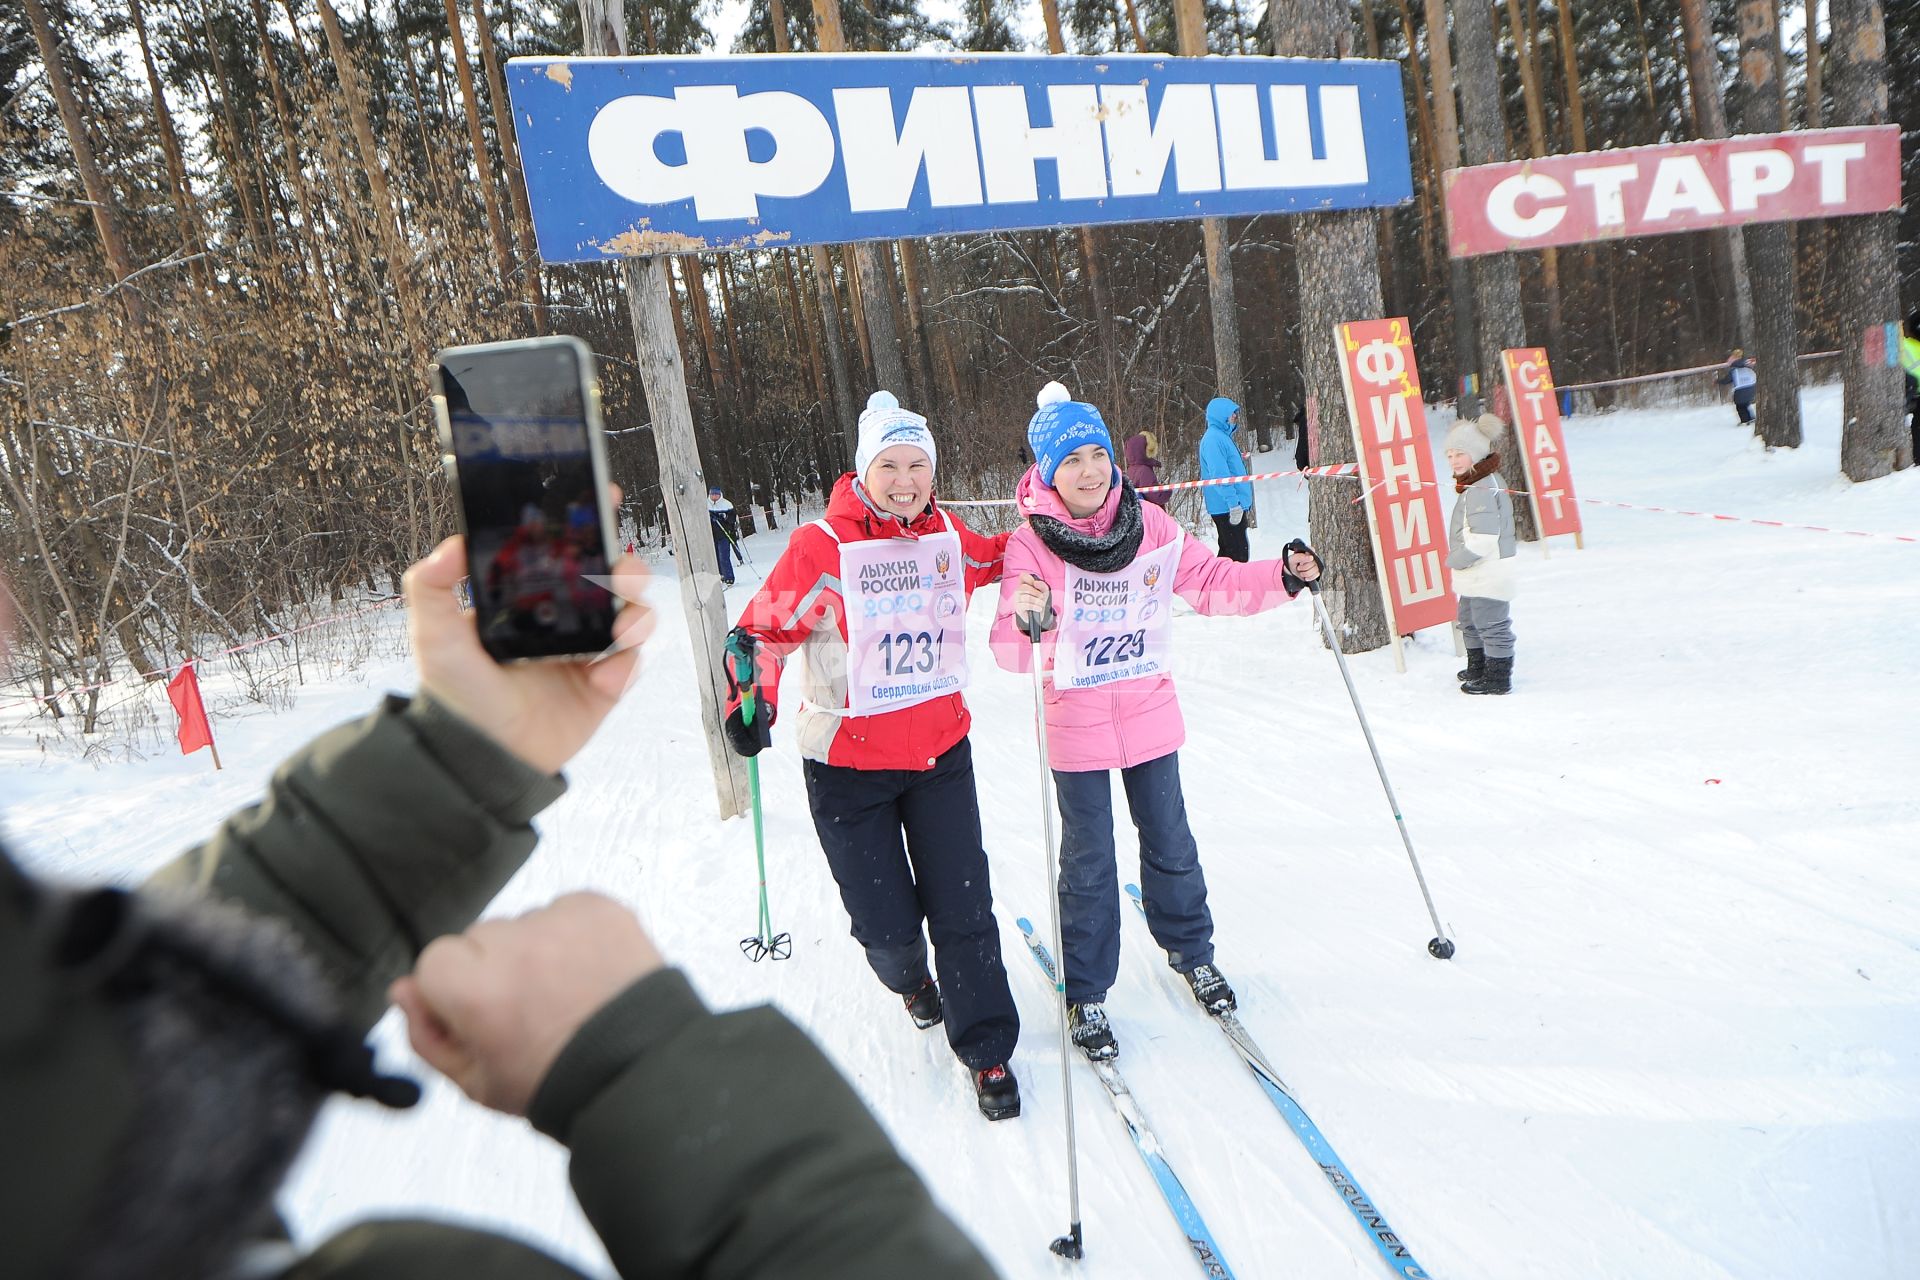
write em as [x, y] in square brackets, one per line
[1034, 624]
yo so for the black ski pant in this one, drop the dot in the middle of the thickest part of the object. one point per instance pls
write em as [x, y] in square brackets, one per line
[1743, 404]
[1233, 537]
[904, 846]
[1172, 888]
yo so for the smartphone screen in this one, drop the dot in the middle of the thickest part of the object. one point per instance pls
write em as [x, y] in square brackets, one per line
[522, 431]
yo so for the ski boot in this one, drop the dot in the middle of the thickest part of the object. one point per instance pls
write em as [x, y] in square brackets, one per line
[1210, 989]
[1475, 668]
[997, 1092]
[1092, 1033]
[924, 1006]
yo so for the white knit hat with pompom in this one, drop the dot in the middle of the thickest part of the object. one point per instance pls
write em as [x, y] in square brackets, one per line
[884, 424]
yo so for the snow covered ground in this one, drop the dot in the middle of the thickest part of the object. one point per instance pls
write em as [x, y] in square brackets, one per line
[1681, 1038]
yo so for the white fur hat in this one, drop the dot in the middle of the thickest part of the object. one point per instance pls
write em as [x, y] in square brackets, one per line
[883, 424]
[1468, 439]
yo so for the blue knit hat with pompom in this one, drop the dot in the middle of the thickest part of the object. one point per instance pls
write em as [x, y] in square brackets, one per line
[1061, 425]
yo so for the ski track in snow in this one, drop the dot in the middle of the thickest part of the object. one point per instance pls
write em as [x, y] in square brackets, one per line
[1678, 1041]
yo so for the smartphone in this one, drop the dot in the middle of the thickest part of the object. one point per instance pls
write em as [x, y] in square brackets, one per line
[520, 428]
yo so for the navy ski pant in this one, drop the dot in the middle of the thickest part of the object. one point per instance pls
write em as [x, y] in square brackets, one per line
[1174, 890]
[1743, 403]
[904, 846]
[723, 552]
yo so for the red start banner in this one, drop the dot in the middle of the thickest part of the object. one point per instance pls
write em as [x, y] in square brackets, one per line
[1536, 424]
[1390, 438]
[1680, 186]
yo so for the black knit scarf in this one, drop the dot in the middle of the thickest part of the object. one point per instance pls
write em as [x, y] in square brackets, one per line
[1110, 552]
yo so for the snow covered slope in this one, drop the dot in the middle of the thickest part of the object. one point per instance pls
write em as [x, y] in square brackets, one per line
[1681, 1038]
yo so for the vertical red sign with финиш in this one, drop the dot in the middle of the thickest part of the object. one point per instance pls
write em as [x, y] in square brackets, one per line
[1536, 424]
[1404, 518]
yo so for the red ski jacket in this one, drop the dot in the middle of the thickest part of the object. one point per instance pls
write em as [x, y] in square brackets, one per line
[799, 607]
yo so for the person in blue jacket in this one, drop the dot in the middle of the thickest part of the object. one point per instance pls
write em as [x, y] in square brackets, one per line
[1228, 504]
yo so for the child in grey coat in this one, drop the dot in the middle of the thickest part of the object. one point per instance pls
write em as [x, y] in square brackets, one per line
[1480, 544]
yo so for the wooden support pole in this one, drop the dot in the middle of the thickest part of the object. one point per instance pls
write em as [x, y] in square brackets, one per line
[683, 481]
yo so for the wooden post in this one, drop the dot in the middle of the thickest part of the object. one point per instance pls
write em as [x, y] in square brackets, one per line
[683, 481]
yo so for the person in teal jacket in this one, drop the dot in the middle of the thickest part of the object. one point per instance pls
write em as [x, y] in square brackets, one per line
[1228, 504]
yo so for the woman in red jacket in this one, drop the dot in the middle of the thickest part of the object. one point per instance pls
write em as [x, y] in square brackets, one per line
[875, 597]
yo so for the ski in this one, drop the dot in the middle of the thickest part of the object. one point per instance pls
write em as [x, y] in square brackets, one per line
[1358, 1203]
[1199, 1239]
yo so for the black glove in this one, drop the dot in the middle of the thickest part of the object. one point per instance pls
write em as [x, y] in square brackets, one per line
[746, 739]
[750, 739]
[1295, 585]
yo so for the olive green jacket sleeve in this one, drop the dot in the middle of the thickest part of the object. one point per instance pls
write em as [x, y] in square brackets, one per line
[378, 837]
[727, 1147]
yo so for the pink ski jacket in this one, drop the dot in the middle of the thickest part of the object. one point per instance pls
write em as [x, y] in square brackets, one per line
[1133, 721]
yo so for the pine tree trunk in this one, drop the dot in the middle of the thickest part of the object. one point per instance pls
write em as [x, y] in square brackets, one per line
[1446, 140]
[1816, 99]
[723, 271]
[1496, 277]
[1570, 63]
[876, 300]
[1337, 259]
[1090, 240]
[1646, 61]
[510, 161]
[857, 313]
[1528, 56]
[483, 168]
[240, 163]
[192, 233]
[1424, 146]
[843, 390]
[1873, 439]
[1192, 24]
[311, 236]
[106, 221]
[803, 319]
[696, 278]
[916, 323]
[386, 217]
[1710, 119]
[873, 301]
[1776, 333]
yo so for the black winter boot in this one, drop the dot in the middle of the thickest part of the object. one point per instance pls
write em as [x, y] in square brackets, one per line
[1092, 1033]
[1210, 989]
[998, 1092]
[1475, 668]
[1498, 677]
[924, 1006]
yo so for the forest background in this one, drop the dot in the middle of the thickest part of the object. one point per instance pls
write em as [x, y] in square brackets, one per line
[232, 233]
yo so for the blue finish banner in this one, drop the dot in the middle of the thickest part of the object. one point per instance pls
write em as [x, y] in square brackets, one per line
[636, 156]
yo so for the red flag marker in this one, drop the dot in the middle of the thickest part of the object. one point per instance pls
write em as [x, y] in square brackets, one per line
[183, 691]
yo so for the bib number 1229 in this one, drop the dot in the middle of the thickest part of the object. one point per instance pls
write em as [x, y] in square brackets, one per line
[903, 653]
[1111, 650]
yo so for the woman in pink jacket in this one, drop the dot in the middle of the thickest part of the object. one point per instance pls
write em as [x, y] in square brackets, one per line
[1109, 565]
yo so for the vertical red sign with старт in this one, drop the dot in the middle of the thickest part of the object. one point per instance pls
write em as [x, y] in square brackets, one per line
[1536, 424]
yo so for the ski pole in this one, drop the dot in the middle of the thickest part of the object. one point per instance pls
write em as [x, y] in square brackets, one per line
[766, 942]
[1440, 946]
[1069, 1245]
[741, 551]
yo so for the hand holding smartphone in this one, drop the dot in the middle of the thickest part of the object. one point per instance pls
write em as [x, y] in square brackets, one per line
[520, 427]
